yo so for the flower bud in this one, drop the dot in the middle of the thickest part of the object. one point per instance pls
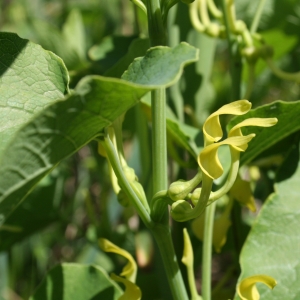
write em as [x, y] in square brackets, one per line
[139, 191]
[178, 190]
[179, 210]
[123, 199]
[195, 196]
[251, 54]
[129, 174]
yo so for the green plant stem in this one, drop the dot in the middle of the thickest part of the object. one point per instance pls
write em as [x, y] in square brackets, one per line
[124, 184]
[163, 239]
[257, 16]
[156, 27]
[234, 57]
[207, 251]
[161, 231]
[159, 140]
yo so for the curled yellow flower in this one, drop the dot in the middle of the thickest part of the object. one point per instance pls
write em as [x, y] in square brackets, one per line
[132, 291]
[212, 129]
[208, 158]
[261, 122]
[247, 289]
[130, 269]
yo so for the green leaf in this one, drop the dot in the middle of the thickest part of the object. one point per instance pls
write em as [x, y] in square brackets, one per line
[272, 247]
[281, 43]
[161, 66]
[31, 79]
[109, 52]
[74, 34]
[275, 12]
[69, 44]
[287, 114]
[74, 281]
[64, 127]
[137, 48]
[40, 213]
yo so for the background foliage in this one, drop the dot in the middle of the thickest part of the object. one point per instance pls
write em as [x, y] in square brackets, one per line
[61, 220]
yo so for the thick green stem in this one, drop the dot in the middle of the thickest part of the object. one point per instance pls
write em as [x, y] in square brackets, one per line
[207, 251]
[161, 231]
[156, 27]
[234, 56]
[159, 140]
[163, 239]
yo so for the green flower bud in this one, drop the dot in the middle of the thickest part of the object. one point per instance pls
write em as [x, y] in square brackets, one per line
[139, 191]
[195, 196]
[266, 51]
[130, 174]
[251, 54]
[213, 30]
[179, 210]
[123, 199]
[178, 190]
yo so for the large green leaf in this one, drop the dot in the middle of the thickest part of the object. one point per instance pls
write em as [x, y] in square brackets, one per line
[272, 247]
[31, 79]
[75, 281]
[66, 126]
[287, 114]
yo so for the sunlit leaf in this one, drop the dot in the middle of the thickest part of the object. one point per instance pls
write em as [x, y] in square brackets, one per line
[272, 247]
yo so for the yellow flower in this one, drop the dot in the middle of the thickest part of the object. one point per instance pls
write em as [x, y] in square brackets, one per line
[247, 289]
[241, 191]
[208, 159]
[261, 122]
[212, 129]
[132, 291]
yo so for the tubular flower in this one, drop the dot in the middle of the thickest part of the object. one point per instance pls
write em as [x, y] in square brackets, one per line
[241, 191]
[212, 129]
[132, 291]
[247, 289]
[208, 159]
